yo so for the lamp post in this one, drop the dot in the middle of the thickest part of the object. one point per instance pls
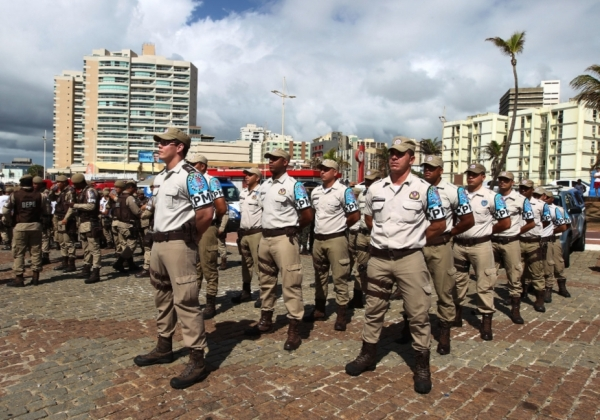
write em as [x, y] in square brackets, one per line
[283, 96]
[44, 153]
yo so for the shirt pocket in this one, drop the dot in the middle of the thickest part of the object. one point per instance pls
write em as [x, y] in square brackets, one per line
[411, 210]
[281, 202]
[171, 197]
[379, 215]
[332, 208]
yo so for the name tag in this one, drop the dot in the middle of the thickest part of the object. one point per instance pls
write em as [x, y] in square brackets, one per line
[28, 204]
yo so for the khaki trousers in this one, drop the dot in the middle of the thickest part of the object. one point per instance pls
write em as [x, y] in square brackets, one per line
[481, 256]
[332, 253]
[45, 241]
[249, 252]
[207, 263]
[281, 254]
[173, 273]
[533, 271]
[411, 275]
[222, 246]
[127, 242]
[27, 240]
[91, 251]
[555, 263]
[352, 238]
[106, 229]
[362, 260]
[440, 263]
[147, 250]
[510, 256]
[7, 235]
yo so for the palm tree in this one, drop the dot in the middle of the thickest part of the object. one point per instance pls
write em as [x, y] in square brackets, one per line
[315, 161]
[590, 88]
[332, 154]
[430, 146]
[511, 47]
[383, 161]
[493, 150]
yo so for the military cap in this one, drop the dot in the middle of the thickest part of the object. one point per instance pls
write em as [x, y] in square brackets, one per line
[173, 133]
[252, 171]
[130, 183]
[526, 183]
[106, 191]
[278, 153]
[540, 191]
[476, 168]
[9, 190]
[403, 146]
[329, 163]
[61, 178]
[38, 180]
[433, 160]
[77, 178]
[506, 174]
[26, 180]
[196, 157]
[120, 184]
[372, 175]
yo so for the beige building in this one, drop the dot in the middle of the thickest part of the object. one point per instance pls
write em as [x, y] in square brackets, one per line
[106, 114]
[235, 154]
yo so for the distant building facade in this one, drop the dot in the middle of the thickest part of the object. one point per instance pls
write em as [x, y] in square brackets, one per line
[546, 94]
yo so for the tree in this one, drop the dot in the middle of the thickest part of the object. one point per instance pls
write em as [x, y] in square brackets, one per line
[510, 47]
[36, 170]
[590, 88]
[493, 150]
[315, 162]
[332, 154]
[383, 161]
[430, 146]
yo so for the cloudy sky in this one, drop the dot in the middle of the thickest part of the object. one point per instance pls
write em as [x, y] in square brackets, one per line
[375, 68]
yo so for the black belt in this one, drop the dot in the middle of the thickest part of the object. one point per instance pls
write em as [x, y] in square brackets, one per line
[504, 239]
[365, 231]
[323, 237]
[440, 240]
[246, 232]
[472, 241]
[531, 240]
[392, 254]
[549, 239]
[271, 233]
[174, 235]
[216, 223]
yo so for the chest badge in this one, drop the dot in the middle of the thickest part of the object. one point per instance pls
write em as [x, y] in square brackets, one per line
[282, 191]
[484, 203]
[414, 195]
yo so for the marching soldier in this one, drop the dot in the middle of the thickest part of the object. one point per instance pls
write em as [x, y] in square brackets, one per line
[126, 213]
[40, 186]
[286, 209]
[62, 193]
[335, 209]
[506, 245]
[397, 210]
[105, 217]
[87, 206]
[250, 232]
[363, 240]
[438, 251]
[119, 187]
[27, 207]
[531, 249]
[207, 266]
[474, 247]
[184, 210]
[147, 222]
[6, 228]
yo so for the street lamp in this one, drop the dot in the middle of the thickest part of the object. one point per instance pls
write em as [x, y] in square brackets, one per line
[44, 153]
[283, 96]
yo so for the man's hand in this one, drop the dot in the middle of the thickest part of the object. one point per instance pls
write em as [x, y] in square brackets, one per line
[63, 222]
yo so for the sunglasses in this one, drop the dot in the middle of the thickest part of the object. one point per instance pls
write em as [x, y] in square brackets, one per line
[165, 143]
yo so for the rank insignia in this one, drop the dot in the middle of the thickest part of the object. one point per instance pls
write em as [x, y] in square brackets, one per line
[414, 195]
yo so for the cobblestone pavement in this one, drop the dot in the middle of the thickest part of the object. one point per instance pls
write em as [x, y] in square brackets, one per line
[66, 351]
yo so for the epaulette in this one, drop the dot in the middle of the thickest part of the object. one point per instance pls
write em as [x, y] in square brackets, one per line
[188, 168]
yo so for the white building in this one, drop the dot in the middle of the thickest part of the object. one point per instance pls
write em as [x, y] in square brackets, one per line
[551, 92]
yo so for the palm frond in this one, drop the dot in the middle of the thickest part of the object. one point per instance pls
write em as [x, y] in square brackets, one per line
[511, 46]
[589, 87]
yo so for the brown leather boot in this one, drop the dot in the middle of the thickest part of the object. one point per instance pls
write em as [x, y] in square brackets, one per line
[162, 353]
[422, 375]
[18, 281]
[318, 312]
[406, 336]
[458, 320]
[210, 311]
[94, 277]
[195, 371]
[366, 360]
[264, 326]
[223, 265]
[245, 296]
[357, 300]
[340, 320]
[35, 278]
[538, 305]
[443, 346]
[562, 288]
[70, 266]
[63, 264]
[485, 331]
[515, 311]
[548, 295]
[293, 340]
[118, 265]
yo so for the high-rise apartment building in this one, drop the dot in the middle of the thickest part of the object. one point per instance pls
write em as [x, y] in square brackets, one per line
[546, 94]
[106, 114]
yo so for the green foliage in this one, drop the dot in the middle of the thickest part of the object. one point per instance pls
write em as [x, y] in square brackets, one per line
[589, 86]
[431, 146]
[36, 170]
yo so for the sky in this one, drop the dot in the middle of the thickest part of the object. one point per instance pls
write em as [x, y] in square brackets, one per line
[373, 68]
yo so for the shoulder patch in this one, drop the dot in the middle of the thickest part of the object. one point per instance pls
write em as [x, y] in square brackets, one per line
[464, 204]
[350, 204]
[198, 190]
[301, 196]
[501, 211]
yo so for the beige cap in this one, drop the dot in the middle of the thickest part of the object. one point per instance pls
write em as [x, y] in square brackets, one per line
[252, 171]
[106, 191]
[476, 168]
[403, 146]
[77, 178]
[372, 175]
[196, 157]
[61, 178]
[279, 153]
[506, 174]
[526, 183]
[540, 191]
[329, 163]
[38, 180]
[433, 161]
[173, 133]
[120, 184]
[130, 183]
[9, 190]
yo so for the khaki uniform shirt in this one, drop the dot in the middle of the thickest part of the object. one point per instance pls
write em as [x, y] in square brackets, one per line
[400, 213]
[362, 201]
[281, 199]
[541, 213]
[250, 209]
[147, 213]
[331, 207]
[487, 206]
[178, 193]
[519, 209]
[455, 201]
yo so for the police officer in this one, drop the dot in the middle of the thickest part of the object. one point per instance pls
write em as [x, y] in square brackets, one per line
[363, 240]
[27, 207]
[286, 209]
[397, 209]
[335, 210]
[207, 266]
[438, 251]
[40, 186]
[87, 206]
[183, 211]
[119, 187]
[353, 236]
[63, 194]
[506, 245]
[105, 217]
[554, 263]
[126, 213]
[5, 228]
[474, 247]
[250, 232]
[147, 222]
[531, 247]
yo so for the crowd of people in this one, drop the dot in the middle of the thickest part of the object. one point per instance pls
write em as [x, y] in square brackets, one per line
[406, 235]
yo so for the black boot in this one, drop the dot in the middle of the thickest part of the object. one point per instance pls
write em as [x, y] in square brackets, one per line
[264, 326]
[45, 258]
[548, 295]
[443, 347]
[538, 305]
[70, 266]
[210, 311]
[340, 320]
[35, 278]
[118, 265]
[18, 281]
[405, 335]
[195, 371]
[515, 312]
[132, 266]
[94, 277]
[63, 264]
[86, 270]
[422, 375]
[293, 340]
[318, 312]
[486, 327]
[245, 296]
[458, 320]
[162, 353]
[366, 360]
[524, 292]
[258, 303]
[357, 300]
[562, 288]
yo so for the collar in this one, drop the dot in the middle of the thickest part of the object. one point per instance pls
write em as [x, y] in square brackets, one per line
[336, 185]
[387, 181]
[281, 179]
[177, 167]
